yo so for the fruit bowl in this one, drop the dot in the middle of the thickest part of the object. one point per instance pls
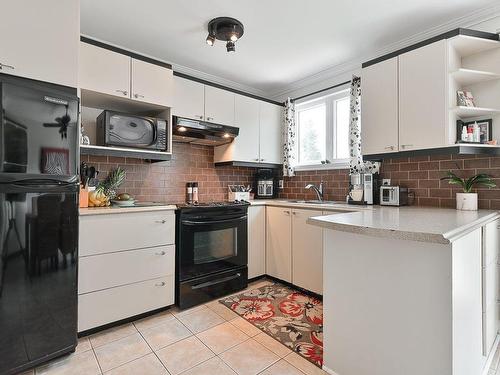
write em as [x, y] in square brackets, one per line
[123, 203]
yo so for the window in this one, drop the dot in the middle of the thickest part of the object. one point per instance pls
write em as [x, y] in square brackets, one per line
[323, 132]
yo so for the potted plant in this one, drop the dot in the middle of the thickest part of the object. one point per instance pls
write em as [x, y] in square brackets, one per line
[467, 200]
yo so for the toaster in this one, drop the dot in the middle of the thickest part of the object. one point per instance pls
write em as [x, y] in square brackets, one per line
[393, 196]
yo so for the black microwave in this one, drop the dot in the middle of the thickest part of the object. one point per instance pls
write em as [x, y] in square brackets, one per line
[126, 130]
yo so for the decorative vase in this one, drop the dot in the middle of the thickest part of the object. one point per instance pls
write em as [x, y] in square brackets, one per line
[467, 201]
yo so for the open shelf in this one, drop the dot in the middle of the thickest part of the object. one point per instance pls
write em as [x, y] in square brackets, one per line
[466, 77]
[470, 112]
[153, 156]
[466, 45]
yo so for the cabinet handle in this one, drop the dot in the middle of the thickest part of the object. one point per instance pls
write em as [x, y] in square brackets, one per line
[6, 66]
[286, 212]
[262, 159]
[405, 146]
[256, 159]
[389, 148]
[124, 92]
[160, 253]
[199, 116]
[137, 96]
[294, 213]
[161, 284]
[161, 221]
[209, 118]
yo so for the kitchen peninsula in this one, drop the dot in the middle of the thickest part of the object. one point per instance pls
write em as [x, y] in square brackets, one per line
[410, 290]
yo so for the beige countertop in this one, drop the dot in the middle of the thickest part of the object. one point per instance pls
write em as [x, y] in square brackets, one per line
[124, 210]
[338, 206]
[424, 224]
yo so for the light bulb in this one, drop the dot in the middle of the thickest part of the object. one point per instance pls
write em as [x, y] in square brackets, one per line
[210, 40]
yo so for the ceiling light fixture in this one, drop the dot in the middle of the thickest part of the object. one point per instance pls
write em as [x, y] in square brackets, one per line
[226, 29]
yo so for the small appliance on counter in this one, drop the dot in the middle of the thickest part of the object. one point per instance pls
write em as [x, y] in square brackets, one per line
[393, 195]
[211, 251]
[239, 193]
[266, 184]
[363, 189]
[126, 130]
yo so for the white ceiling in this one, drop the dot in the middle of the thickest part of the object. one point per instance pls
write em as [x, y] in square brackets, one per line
[285, 40]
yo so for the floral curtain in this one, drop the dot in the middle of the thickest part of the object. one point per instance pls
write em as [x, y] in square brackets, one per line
[357, 165]
[289, 132]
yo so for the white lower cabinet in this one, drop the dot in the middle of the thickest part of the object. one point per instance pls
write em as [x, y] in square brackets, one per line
[307, 251]
[294, 249]
[110, 305]
[279, 243]
[128, 270]
[256, 241]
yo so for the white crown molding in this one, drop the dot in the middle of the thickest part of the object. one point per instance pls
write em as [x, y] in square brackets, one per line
[473, 18]
[219, 80]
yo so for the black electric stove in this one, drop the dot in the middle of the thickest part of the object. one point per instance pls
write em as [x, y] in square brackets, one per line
[211, 251]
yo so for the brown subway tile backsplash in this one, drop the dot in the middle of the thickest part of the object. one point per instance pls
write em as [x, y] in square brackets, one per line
[166, 181]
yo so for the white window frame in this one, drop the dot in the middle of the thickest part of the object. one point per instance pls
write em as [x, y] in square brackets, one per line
[331, 132]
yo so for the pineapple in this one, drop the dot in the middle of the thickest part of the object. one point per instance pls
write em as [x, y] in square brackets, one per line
[109, 185]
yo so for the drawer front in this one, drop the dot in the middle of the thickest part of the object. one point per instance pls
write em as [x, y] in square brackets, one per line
[125, 231]
[104, 271]
[107, 306]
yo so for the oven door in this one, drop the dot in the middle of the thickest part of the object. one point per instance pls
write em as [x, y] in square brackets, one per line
[210, 244]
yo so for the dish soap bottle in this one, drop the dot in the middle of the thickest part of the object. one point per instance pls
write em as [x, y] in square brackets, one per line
[464, 134]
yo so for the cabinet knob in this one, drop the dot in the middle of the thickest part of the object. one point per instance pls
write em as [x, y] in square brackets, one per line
[137, 96]
[406, 146]
[2, 66]
[262, 159]
[210, 118]
[199, 116]
[389, 148]
[256, 159]
[161, 253]
[161, 284]
[124, 92]
[286, 212]
[161, 221]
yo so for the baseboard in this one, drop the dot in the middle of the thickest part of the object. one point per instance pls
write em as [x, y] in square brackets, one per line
[489, 360]
[302, 290]
[329, 371]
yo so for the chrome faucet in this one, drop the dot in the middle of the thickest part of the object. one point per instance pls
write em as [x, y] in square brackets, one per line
[317, 190]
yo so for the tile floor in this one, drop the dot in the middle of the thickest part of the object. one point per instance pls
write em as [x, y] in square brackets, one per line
[207, 339]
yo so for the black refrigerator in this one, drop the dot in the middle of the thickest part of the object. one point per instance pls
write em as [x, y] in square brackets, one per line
[38, 222]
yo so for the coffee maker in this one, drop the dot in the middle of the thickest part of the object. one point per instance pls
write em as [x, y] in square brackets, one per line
[364, 189]
[266, 184]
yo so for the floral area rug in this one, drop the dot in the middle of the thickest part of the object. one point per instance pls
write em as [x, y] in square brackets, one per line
[293, 318]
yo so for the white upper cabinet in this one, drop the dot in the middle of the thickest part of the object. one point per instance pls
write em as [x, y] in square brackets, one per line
[379, 106]
[104, 71]
[423, 103]
[151, 83]
[246, 116]
[271, 118]
[219, 106]
[189, 99]
[39, 40]
[112, 73]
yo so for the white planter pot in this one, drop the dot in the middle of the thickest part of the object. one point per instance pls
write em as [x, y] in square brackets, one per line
[467, 201]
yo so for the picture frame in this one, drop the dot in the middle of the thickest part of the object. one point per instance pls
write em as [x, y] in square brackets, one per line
[55, 161]
[465, 99]
[485, 126]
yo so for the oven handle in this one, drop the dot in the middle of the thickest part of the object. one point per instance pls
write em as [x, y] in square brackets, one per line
[210, 283]
[192, 222]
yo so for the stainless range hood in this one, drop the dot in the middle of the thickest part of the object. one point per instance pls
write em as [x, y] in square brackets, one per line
[201, 132]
